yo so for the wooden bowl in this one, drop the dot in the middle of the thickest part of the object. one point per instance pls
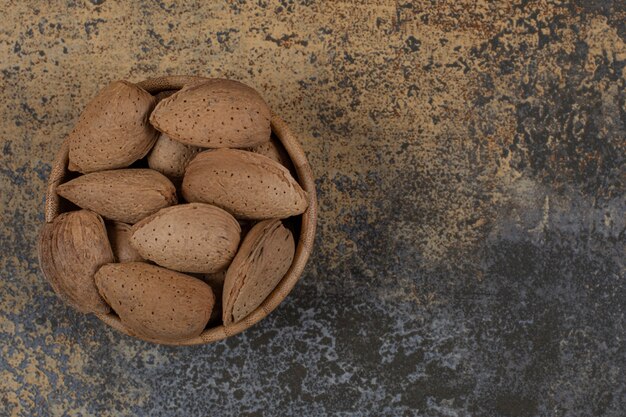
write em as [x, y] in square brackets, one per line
[55, 206]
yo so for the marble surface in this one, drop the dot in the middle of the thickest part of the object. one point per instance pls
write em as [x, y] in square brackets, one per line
[470, 165]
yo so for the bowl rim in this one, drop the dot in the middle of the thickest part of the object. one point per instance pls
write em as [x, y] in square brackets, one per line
[305, 241]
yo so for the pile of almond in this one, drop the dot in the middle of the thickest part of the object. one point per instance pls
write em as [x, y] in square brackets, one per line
[179, 207]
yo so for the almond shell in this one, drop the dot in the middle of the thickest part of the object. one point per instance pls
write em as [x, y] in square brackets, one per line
[124, 195]
[262, 261]
[71, 248]
[113, 131]
[215, 113]
[246, 184]
[154, 302]
[193, 237]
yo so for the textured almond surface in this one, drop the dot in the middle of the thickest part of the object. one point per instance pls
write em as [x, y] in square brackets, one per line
[155, 302]
[71, 249]
[171, 157]
[193, 237]
[113, 130]
[276, 151]
[246, 184]
[124, 195]
[119, 237]
[263, 259]
[215, 114]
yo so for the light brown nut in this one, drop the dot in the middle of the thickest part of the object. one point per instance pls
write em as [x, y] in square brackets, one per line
[263, 259]
[124, 195]
[216, 113]
[171, 157]
[246, 184]
[119, 237]
[154, 302]
[113, 130]
[276, 151]
[70, 250]
[193, 237]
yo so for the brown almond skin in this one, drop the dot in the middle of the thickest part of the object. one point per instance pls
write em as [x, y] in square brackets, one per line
[216, 113]
[276, 151]
[154, 302]
[246, 184]
[70, 250]
[119, 237]
[171, 157]
[193, 237]
[262, 261]
[113, 130]
[123, 195]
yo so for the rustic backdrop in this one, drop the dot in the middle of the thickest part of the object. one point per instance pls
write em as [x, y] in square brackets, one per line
[470, 165]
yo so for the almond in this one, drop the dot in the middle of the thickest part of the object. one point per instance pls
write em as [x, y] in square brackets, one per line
[119, 237]
[189, 237]
[171, 157]
[113, 131]
[246, 184]
[124, 195]
[71, 249]
[262, 261]
[154, 302]
[275, 150]
[214, 114]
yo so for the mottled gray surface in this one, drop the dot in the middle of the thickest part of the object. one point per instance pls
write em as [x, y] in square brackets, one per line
[471, 177]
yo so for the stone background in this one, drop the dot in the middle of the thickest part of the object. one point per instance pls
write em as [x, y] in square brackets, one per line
[470, 165]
